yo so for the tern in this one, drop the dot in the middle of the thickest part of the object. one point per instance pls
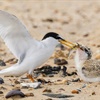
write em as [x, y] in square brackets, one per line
[30, 53]
[88, 68]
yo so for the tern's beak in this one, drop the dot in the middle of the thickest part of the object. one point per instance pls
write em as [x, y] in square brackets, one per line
[67, 43]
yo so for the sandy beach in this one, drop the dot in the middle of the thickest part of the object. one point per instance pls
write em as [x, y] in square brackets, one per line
[76, 21]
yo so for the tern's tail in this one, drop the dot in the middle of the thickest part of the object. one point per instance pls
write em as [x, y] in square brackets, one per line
[7, 71]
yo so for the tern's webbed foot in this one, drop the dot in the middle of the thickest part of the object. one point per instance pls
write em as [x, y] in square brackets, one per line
[30, 77]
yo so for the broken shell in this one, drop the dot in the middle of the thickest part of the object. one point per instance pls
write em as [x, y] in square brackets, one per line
[14, 93]
[34, 85]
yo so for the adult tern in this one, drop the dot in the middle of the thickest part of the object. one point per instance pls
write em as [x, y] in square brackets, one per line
[29, 52]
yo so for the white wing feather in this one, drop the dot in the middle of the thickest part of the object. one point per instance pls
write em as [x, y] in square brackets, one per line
[15, 35]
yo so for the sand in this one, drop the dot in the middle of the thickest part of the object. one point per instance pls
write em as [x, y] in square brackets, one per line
[76, 20]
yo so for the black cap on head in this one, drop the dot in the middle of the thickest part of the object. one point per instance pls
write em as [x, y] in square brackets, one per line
[51, 34]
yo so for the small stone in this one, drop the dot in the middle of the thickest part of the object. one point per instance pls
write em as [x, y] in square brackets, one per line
[47, 90]
[42, 80]
[75, 92]
[50, 75]
[29, 94]
[86, 35]
[56, 61]
[76, 80]
[62, 89]
[2, 63]
[48, 20]
[93, 93]
[49, 99]
[98, 45]
[1, 92]
[97, 57]
[71, 74]
[16, 82]
[14, 93]
[1, 81]
[60, 61]
[3, 88]
[73, 33]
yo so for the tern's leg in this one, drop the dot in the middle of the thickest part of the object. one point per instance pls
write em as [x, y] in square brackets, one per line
[30, 77]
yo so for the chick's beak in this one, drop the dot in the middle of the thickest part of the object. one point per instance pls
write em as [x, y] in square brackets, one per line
[68, 44]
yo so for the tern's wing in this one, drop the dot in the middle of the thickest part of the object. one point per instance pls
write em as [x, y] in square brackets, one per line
[15, 35]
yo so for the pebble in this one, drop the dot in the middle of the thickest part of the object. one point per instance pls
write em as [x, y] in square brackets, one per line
[86, 35]
[3, 88]
[14, 93]
[47, 90]
[76, 80]
[71, 74]
[2, 63]
[16, 82]
[93, 93]
[73, 33]
[49, 99]
[75, 92]
[29, 94]
[1, 81]
[48, 20]
[62, 89]
[97, 57]
[42, 80]
[60, 61]
[1, 92]
[50, 75]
